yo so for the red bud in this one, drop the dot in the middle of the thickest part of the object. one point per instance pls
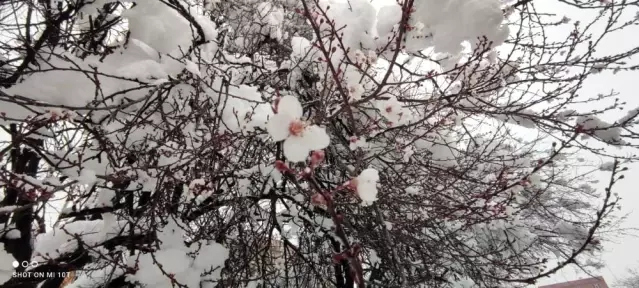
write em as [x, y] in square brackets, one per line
[281, 166]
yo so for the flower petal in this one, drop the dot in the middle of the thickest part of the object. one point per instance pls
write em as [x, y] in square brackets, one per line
[291, 106]
[295, 149]
[315, 138]
[278, 125]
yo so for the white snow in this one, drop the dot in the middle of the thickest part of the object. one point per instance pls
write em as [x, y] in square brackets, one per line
[13, 234]
[464, 283]
[355, 18]
[61, 240]
[223, 83]
[87, 177]
[173, 258]
[151, 21]
[143, 70]
[608, 166]
[388, 18]
[6, 264]
[8, 209]
[631, 115]
[192, 67]
[171, 261]
[449, 23]
[358, 142]
[366, 184]
[241, 101]
[272, 17]
[95, 275]
[102, 198]
[412, 190]
[302, 49]
[571, 231]
[601, 129]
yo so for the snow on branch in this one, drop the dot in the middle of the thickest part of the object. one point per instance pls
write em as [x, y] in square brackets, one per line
[306, 143]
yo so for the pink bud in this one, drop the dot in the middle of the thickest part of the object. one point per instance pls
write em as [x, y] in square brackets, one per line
[318, 199]
[317, 157]
[352, 184]
[281, 166]
[338, 258]
[276, 103]
[356, 249]
[306, 173]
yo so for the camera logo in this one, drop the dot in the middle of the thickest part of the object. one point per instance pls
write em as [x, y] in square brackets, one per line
[25, 264]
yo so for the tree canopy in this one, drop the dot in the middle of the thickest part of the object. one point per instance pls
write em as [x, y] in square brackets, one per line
[307, 143]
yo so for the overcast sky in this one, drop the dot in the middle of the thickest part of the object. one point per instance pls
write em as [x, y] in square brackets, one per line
[620, 254]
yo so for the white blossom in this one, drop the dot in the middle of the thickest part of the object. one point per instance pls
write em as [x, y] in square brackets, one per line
[355, 91]
[299, 137]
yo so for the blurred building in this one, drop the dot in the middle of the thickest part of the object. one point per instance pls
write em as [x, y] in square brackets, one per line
[595, 282]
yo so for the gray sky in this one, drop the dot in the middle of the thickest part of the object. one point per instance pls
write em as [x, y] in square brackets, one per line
[617, 256]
